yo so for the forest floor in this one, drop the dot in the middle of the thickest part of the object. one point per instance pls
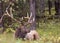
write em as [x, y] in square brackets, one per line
[49, 33]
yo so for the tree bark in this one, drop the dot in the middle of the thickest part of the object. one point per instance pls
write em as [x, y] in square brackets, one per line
[42, 7]
[1, 12]
[32, 15]
[49, 6]
[57, 7]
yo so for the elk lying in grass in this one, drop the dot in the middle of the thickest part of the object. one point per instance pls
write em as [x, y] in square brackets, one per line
[32, 35]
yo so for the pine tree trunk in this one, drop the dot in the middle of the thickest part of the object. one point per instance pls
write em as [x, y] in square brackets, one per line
[57, 7]
[1, 12]
[32, 15]
[49, 6]
[42, 7]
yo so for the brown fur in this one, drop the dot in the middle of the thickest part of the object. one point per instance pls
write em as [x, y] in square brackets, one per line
[32, 35]
[21, 32]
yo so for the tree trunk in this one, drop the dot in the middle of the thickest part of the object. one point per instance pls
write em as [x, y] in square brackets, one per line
[57, 7]
[1, 12]
[42, 7]
[32, 15]
[49, 6]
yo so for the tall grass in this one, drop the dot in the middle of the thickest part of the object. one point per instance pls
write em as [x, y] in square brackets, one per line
[49, 33]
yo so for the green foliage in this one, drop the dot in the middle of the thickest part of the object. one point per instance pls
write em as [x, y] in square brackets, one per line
[22, 7]
[8, 30]
[15, 25]
[49, 33]
[49, 30]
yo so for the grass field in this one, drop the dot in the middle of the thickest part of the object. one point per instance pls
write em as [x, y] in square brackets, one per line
[49, 33]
